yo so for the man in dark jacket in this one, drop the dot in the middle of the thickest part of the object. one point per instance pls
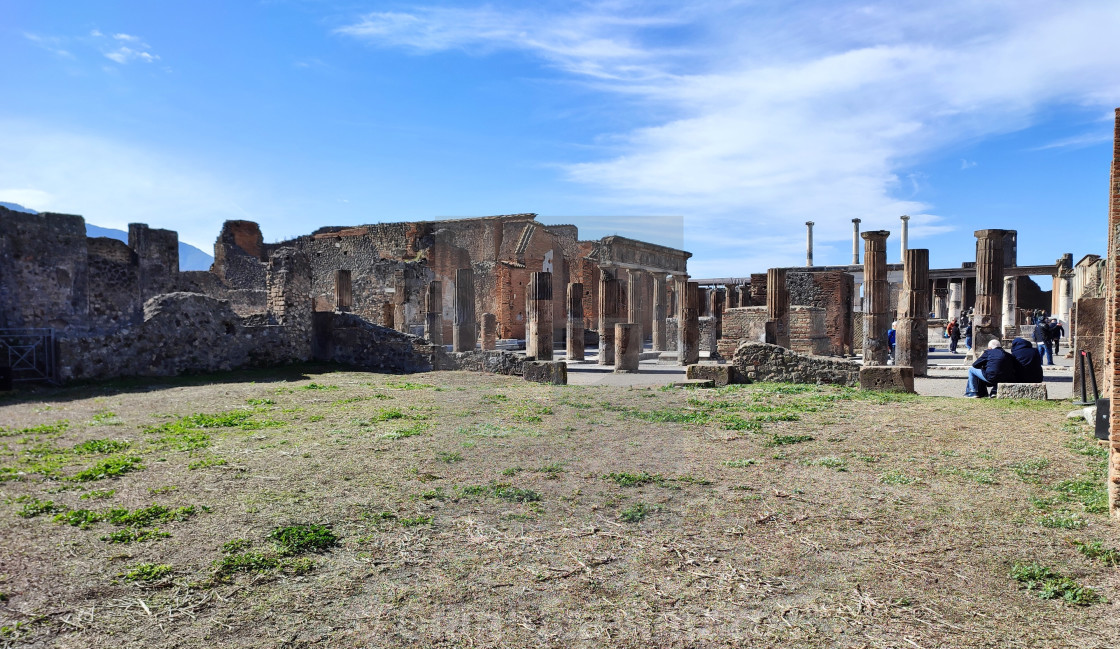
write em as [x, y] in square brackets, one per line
[992, 368]
[954, 335]
[1029, 360]
[1056, 332]
[1041, 336]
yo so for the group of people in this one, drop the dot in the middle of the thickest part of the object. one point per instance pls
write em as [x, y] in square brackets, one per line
[1022, 365]
[956, 330]
[1046, 335]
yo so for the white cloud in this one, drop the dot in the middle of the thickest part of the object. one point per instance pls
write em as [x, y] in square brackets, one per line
[52, 44]
[125, 55]
[968, 164]
[807, 113]
[126, 37]
[112, 183]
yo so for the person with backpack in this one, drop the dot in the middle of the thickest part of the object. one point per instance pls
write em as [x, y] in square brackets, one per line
[1041, 337]
[994, 366]
[954, 335]
[1056, 332]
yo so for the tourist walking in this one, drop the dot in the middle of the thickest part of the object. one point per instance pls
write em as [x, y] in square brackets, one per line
[954, 335]
[967, 331]
[1056, 332]
[1041, 337]
[891, 334]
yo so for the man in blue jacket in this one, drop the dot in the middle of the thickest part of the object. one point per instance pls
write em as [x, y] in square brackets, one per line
[1029, 360]
[992, 368]
[1041, 336]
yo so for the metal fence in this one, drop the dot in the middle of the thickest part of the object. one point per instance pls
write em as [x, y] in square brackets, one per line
[30, 353]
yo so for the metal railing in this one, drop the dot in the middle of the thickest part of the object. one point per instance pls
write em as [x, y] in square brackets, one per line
[30, 353]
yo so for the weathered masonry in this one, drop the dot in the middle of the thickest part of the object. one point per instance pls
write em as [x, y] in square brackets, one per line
[383, 296]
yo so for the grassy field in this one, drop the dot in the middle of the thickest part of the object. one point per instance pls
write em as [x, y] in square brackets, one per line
[310, 508]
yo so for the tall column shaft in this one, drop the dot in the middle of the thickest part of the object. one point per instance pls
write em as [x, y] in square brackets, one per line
[876, 298]
[809, 243]
[988, 320]
[627, 347]
[489, 332]
[855, 241]
[912, 334]
[1065, 301]
[1010, 305]
[732, 296]
[688, 325]
[609, 296]
[905, 235]
[777, 307]
[716, 297]
[660, 312]
[956, 296]
[463, 331]
[634, 299]
[538, 334]
[433, 312]
[575, 322]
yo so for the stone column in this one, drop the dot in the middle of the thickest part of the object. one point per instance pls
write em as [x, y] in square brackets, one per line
[538, 317]
[940, 303]
[732, 296]
[704, 302]
[575, 322]
[634, 300]
[912, 341]
[777, 307]
[463, 331]
[400, 300]
[1065, 301]
[905, 232]
[956, 296]
[855, 242]
[609, 302]
[688, 323]
[627, 347]
[489, 332]
[1010, 305]
[716, 299]
[387, 315]
[988, 320]
[660, 312]
[433, 317]
[876, 298]
[809, 243]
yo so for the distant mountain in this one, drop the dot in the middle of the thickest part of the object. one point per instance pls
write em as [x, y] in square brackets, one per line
[15, 207]
[190, 258]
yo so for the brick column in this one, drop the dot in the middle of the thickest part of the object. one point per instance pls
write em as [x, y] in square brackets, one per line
[627, 348]
[634, 300]
[574, 334]
[538, 317]
[463, 331]
[876, 298]
[912, 342]
[777, 308]
[660, 312]
[433, 316]
[609, 302]
[688, 323]
[988, 320]
[1010, 306]
[489, 332]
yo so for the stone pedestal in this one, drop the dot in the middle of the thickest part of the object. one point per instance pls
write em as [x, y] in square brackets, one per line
[433, 313]
[489, 332]
[777, 308]
[538, 320]
[688, 325]
[464, 334]
[660, 313]
[912, 334]
[550, 372]
[609, 303]
[887, 378]
[987, 322]
[877, 296]
[627, 347]
[574, 333]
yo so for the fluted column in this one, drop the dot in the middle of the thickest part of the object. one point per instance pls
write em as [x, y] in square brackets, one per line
[912, 341]
[956, 296]
[777, 307]
[1010, 305]
[855, 241]
[660, 312]
[988, 318]
[1065, 301]
[809, 243]
[575, 322]
[905, 234]
[538, 317]
[627, 347]
[464, 333]
[876, 298]
[634, 301]
[609, 302]
[688, 325]
[433, 317]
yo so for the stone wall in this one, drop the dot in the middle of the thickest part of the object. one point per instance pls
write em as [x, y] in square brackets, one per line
[348, 339]
[765, 362]
[495, 362]
[44, 270]
[834, 292]
[807, 330]
[157, 253]
[114, 284]
[1088, 328]
[740, 325]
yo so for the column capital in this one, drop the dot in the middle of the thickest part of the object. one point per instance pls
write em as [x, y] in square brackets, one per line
[875, 235]
[905, 217]
[857, 220]
[989, 234]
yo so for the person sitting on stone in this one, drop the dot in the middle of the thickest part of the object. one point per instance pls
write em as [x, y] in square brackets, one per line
[1029, 361]
[992, 368]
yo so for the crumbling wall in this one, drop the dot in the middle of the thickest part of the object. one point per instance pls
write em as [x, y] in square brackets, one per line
[348, 339]
[832, 291]
[807, 330]
[740, 325]
[114, 284]
[44, 270]
[765, 362]
[157, 253]
[244, 302]
[240, 259]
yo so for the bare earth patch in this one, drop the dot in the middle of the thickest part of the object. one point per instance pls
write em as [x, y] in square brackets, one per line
[342, 509]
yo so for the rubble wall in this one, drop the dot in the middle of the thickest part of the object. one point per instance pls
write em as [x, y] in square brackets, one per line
[765, 362]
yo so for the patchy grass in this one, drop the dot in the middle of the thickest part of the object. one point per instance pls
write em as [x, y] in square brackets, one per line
[147, 572]
[109, 468]
[635, 513]
[300, 539]
[1049, 584]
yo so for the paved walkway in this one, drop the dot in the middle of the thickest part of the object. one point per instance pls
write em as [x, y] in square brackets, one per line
[947, 374]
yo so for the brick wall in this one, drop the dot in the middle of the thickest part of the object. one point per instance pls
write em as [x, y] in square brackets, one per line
[832, 291]
[807, 330]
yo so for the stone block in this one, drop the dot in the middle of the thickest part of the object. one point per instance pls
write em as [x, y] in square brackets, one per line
[887, 378]
[694, 383]
[553, 372]
[1021, 391]
[721, 375]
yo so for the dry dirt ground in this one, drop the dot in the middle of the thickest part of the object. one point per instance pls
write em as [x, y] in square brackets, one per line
[317, 508]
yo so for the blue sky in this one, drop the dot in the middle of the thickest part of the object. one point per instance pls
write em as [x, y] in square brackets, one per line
[717, 126]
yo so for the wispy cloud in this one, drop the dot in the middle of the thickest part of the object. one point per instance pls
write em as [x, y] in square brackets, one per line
[136, 50]
[52, 44]
[1078, 141]
[807, 113]
[968, 164]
